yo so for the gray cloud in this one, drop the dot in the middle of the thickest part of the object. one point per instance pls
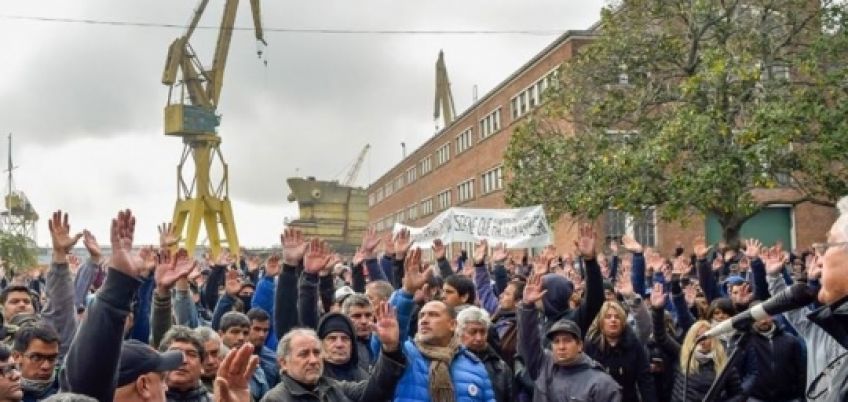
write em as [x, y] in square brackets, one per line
[319, 100]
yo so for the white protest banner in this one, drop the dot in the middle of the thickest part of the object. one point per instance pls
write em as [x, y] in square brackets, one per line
[517, 227]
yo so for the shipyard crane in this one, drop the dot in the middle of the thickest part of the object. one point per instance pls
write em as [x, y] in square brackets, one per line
[191, 113]
[354, 171]
[443, 106]
[20, 217]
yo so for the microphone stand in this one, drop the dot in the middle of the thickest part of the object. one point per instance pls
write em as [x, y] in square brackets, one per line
[718, 383]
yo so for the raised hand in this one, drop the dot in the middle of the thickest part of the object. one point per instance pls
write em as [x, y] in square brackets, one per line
[172, 268]
[359, 257]
[317, 256]
[699, 246]
[655, 261]
[439, 249]
[630, 244]
[90, 243]
[533, 291]
[718, 263]
[225, 259]
[746, 293]
[774, 261]
[388, 244]
[272, 265]
[294, 246]
[253, 263]
[623, 285]
[403, 241]
[121, 236]
[690, 293]
[814, 267]
[386, 327]
[480, 250]
[232, 383]
[415, 276]
[148, 257]
[613, 246]
[585, 242]
[370, 241]
[60, 234]
[540, 265]
[681, 265]
[167, 237]
[232, 285]
[657, 296]
[500, 253]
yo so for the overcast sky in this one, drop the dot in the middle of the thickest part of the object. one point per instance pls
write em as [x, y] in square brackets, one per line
[84, 101]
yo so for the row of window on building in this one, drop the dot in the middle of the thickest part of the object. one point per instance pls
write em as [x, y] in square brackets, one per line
[520, 104]
[490, 181]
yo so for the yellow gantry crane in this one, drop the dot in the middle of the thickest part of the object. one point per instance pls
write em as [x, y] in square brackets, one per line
[191, 113]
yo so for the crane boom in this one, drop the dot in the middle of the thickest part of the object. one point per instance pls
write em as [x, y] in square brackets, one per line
[444, 98]
[191, 113]
[354, 171]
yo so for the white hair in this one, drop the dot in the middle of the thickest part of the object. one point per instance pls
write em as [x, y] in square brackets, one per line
[841, 224]
[472, 315]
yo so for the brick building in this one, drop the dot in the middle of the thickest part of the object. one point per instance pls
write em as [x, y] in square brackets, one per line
[462, 165]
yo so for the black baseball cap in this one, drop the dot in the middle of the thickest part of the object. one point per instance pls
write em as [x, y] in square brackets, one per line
[565, 325]
[138, 359]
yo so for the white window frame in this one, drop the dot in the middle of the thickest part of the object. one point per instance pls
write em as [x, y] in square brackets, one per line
[441, 206]
[411, 175]
[465, 191]
[468, 135]
[490, 124]
[496, 180]
[426, 165]
[443, 154]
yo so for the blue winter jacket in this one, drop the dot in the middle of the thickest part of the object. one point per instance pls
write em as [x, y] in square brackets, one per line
[470, 380]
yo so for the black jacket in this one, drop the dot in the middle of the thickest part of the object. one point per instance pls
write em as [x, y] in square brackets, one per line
[380, 386]
[627, 363]
[773, 367]
[198, 394]
[95, 352]
[499, 374]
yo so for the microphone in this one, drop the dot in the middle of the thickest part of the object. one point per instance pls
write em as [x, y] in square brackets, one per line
[791, 298]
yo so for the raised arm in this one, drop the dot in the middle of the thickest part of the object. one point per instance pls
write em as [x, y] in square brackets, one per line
[529, 340]
[285, 296]
[482, 280]
[316, 258]
[593, 296]
[94, 354]
[59, 310]
[667, 343]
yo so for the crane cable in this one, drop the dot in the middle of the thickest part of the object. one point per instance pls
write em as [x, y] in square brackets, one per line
[332, 31]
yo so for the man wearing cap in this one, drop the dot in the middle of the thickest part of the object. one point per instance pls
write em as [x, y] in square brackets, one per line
[142, 372]
[563, 373]
[340, 362]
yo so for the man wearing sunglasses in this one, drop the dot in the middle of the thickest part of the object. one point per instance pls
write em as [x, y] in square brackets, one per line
[10, 377]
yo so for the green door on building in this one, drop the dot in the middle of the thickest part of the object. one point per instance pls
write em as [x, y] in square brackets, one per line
[769, 226]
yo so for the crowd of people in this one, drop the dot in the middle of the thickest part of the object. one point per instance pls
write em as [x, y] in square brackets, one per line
[604, 322]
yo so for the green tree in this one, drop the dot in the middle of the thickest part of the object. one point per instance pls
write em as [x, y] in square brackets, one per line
[692, 106]
[18, 252]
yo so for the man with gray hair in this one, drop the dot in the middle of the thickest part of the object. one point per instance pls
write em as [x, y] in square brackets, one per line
[831, 383]
[358, 308]
[215, 352]
[299, 354]
[184, 383]
[472, 328]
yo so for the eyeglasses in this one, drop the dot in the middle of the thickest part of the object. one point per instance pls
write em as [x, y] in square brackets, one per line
[824, 246]
[40, 358]
[6, 370]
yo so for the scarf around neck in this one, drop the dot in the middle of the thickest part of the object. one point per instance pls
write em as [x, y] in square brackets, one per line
[441, 384]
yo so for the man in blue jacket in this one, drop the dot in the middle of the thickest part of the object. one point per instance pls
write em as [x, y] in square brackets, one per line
[439, 368]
